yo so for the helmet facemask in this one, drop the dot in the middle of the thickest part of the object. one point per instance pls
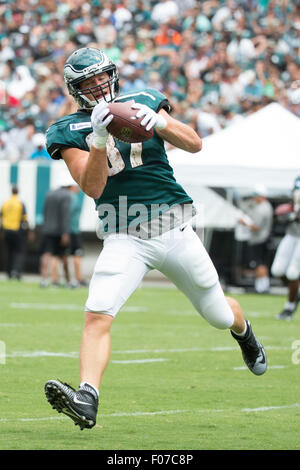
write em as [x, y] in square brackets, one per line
[76, 72]
[91, 96]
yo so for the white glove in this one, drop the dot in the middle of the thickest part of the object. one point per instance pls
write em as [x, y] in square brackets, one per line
[100, 119]
[151, 118]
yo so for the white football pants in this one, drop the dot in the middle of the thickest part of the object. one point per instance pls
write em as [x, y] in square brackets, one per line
[287, 258]
[178, 254]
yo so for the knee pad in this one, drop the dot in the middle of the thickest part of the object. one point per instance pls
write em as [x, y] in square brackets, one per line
[292, 273]
[196, 262]
[213, 306]
[277, 270]
[102, 296]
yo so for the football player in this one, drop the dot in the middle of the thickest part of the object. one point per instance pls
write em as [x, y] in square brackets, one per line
[286, 264]
[160, 237]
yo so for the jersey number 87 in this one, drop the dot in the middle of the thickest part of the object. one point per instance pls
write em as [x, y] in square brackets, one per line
[115, 158]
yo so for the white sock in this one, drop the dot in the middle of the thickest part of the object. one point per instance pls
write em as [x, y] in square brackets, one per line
[90, 385]
[262, 284]
[266, 282]
[290, 305]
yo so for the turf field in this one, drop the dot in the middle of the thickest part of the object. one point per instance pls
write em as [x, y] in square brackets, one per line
[173, 382]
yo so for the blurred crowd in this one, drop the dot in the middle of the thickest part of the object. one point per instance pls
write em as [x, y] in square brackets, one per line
[216, 60]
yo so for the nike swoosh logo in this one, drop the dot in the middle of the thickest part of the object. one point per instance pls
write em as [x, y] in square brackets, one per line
[81, 402]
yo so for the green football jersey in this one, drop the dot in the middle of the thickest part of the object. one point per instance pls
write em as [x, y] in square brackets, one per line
[141, 183]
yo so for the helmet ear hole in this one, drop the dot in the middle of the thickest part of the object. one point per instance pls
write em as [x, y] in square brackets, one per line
[87, 62]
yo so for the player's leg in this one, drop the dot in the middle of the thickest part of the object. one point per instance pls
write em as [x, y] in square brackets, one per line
[285, 262]
[189, 266]
[118, 272]
[8, 252]
[19, 254]
[66, 268]
[292, 276]
[291, 304]
[54, 248]
[283, 256]
[77, 259]
[95, 347]
[262, 280]
[44, 260]
[55, 270]
[77, 253]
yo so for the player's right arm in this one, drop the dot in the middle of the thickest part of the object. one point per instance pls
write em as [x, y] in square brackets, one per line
[90, 169]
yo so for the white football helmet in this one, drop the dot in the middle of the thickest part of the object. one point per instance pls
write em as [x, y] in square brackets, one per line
[85, 63]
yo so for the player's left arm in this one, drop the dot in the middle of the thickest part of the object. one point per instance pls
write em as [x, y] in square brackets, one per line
[173, 131]
[179, 134]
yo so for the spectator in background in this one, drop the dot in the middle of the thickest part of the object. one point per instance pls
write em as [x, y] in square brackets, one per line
[8, 150]
[260, 212]
[254, 88]
[286, 264]
[133, 82]
[40, 152]
[207, 121]
[121, 15]
[164, 10]
[56, 232]
[196, 38]
[242, 234]
[19, 81]
[14, 223]
[28, 145]
[76, 245]
[231, 89]
[104, 30]
[44, 114]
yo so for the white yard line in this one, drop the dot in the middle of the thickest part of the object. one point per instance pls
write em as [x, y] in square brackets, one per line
[33, 306]
[32, 354]
[268, 408]
[140, 361]
[52, 306]
[161, 412]
[74, 355]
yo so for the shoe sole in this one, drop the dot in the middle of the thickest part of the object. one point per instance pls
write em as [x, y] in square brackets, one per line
[61, 403]
[263, 369]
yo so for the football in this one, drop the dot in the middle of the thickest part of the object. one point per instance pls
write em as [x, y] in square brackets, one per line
[125, 126]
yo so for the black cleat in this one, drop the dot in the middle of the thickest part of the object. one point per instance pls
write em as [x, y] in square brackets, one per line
[286, 314]
[253, 352]
[81, 406]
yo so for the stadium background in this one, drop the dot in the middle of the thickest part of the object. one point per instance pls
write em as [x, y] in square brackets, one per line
[217, 61]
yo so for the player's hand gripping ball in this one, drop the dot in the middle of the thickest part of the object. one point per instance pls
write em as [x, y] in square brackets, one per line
[126, 126]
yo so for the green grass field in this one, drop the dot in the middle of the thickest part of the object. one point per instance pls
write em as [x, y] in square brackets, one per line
[173, 382]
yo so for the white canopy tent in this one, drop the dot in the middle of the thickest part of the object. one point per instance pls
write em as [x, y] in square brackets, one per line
[213, 210]
[263, 148]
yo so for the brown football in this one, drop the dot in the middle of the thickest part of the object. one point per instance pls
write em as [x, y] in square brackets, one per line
[125, 126]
